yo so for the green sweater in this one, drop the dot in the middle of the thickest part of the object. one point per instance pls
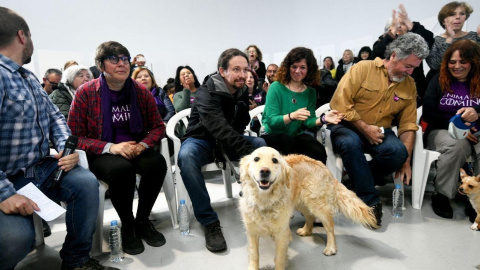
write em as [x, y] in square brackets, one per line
[279, 103]
[181, 100]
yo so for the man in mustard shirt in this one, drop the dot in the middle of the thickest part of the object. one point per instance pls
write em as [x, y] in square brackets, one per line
[373, 94]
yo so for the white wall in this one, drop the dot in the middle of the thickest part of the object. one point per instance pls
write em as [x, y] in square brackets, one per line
[180, 32]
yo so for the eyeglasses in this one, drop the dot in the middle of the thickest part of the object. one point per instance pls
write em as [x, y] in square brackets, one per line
[52, 83]
[114, 59]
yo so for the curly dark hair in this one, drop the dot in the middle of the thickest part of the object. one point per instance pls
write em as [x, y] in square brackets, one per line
[470, 52]
[294, 56]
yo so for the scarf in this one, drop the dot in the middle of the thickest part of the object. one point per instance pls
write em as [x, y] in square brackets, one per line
[128, 92]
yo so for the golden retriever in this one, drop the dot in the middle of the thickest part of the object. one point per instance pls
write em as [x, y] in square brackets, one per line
[274, 185]
[471, 187]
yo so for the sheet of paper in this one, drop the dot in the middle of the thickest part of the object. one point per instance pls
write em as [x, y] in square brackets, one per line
[49, 210]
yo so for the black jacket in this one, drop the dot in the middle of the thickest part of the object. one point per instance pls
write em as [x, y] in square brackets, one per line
[220, 116]
[340, 71]
[326, 89]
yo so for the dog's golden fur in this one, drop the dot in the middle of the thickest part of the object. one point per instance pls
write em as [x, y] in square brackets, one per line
[471, 187]
[274, 185]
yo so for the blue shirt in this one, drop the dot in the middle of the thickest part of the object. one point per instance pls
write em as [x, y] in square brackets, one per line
[28, 119]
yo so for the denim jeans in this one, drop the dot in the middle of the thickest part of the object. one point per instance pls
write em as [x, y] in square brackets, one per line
[79, 189]
[194, 154]
[387, 157]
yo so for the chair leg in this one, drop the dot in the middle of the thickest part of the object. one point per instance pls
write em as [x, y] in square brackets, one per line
[37, 222]
[169, 190]
[97, 245]
[227, 181]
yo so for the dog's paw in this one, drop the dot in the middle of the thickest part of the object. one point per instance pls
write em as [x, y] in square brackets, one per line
[475, 227]
[329, 251]
[304, 232]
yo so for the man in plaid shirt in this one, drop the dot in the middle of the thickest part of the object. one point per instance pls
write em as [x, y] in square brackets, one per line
[28, 120]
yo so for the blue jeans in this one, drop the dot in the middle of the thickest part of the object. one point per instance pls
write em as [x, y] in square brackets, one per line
[387, 157]
[79, 189]
[194, 154]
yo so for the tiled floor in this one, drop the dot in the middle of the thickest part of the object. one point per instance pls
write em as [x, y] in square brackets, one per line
[421, 240]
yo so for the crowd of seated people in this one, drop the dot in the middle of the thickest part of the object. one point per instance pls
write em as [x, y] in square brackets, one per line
[119, 112]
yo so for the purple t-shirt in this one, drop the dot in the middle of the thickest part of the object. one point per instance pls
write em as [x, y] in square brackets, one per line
[450, 103]
[120, 119]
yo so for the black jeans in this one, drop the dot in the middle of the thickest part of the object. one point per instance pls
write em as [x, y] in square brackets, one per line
[302, 144]
[120, 174]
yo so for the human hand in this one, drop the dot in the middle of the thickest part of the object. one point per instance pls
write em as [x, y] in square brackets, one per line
[18, 204]
[134, 61]
[334, 117]
[394, 25]
[252, 105]
[125, 149]
[301, 114]
[265, 86]
[69, 162]
[139, 148]
[404, 17]
[405, 172]
[472, 137]
[373, 134]
[448, 31]
[469, 114]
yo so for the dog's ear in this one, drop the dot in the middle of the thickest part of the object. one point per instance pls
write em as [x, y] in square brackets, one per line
[244, 163]
[463, 173]
[286, 170]
[477, 178]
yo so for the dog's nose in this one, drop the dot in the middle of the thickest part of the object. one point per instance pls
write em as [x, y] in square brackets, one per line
[264, 173]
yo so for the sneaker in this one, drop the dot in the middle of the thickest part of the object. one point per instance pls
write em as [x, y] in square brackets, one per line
[441, 206]
[146, 231]
[214, 239]
[91, 264]
[131, 243]
[377, 211]
[46, 229]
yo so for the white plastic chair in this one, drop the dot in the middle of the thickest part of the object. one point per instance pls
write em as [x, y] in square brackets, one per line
[182, 118]
[258, 112]
[97, 244]
[421, 159]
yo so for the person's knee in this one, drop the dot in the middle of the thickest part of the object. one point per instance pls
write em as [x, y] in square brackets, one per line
[120, 170]
[259, 142]
[15, 244]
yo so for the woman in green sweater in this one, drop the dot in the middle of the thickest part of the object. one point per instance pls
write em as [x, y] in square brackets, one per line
[290, 107]
[186, 84]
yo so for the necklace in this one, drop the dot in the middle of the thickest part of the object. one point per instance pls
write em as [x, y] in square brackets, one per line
[296, 91]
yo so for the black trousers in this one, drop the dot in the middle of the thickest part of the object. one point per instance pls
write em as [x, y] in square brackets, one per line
[302, 144]
[120, 174]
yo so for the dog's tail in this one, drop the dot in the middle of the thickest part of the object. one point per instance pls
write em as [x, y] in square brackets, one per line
[353, 207]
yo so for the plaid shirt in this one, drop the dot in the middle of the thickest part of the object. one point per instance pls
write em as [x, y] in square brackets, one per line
[28, 119]
[85, 117]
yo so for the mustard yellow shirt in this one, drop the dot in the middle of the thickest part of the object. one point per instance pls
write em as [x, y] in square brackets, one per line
[364, 94]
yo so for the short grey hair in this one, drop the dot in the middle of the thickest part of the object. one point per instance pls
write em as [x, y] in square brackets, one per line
[72, 72]
[52, 71]
[407, 44]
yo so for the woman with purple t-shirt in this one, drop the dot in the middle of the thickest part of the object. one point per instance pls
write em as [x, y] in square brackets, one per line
[118, 124]
[456, 90]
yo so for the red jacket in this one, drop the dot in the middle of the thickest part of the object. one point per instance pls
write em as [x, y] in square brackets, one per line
[85, 118]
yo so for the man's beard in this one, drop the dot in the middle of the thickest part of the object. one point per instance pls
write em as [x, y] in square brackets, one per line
[397, 79]
[27, 53]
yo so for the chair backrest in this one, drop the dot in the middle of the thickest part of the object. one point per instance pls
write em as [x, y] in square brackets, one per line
[419, 114]
[182, 119]
[258, 112]
[322, 109]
